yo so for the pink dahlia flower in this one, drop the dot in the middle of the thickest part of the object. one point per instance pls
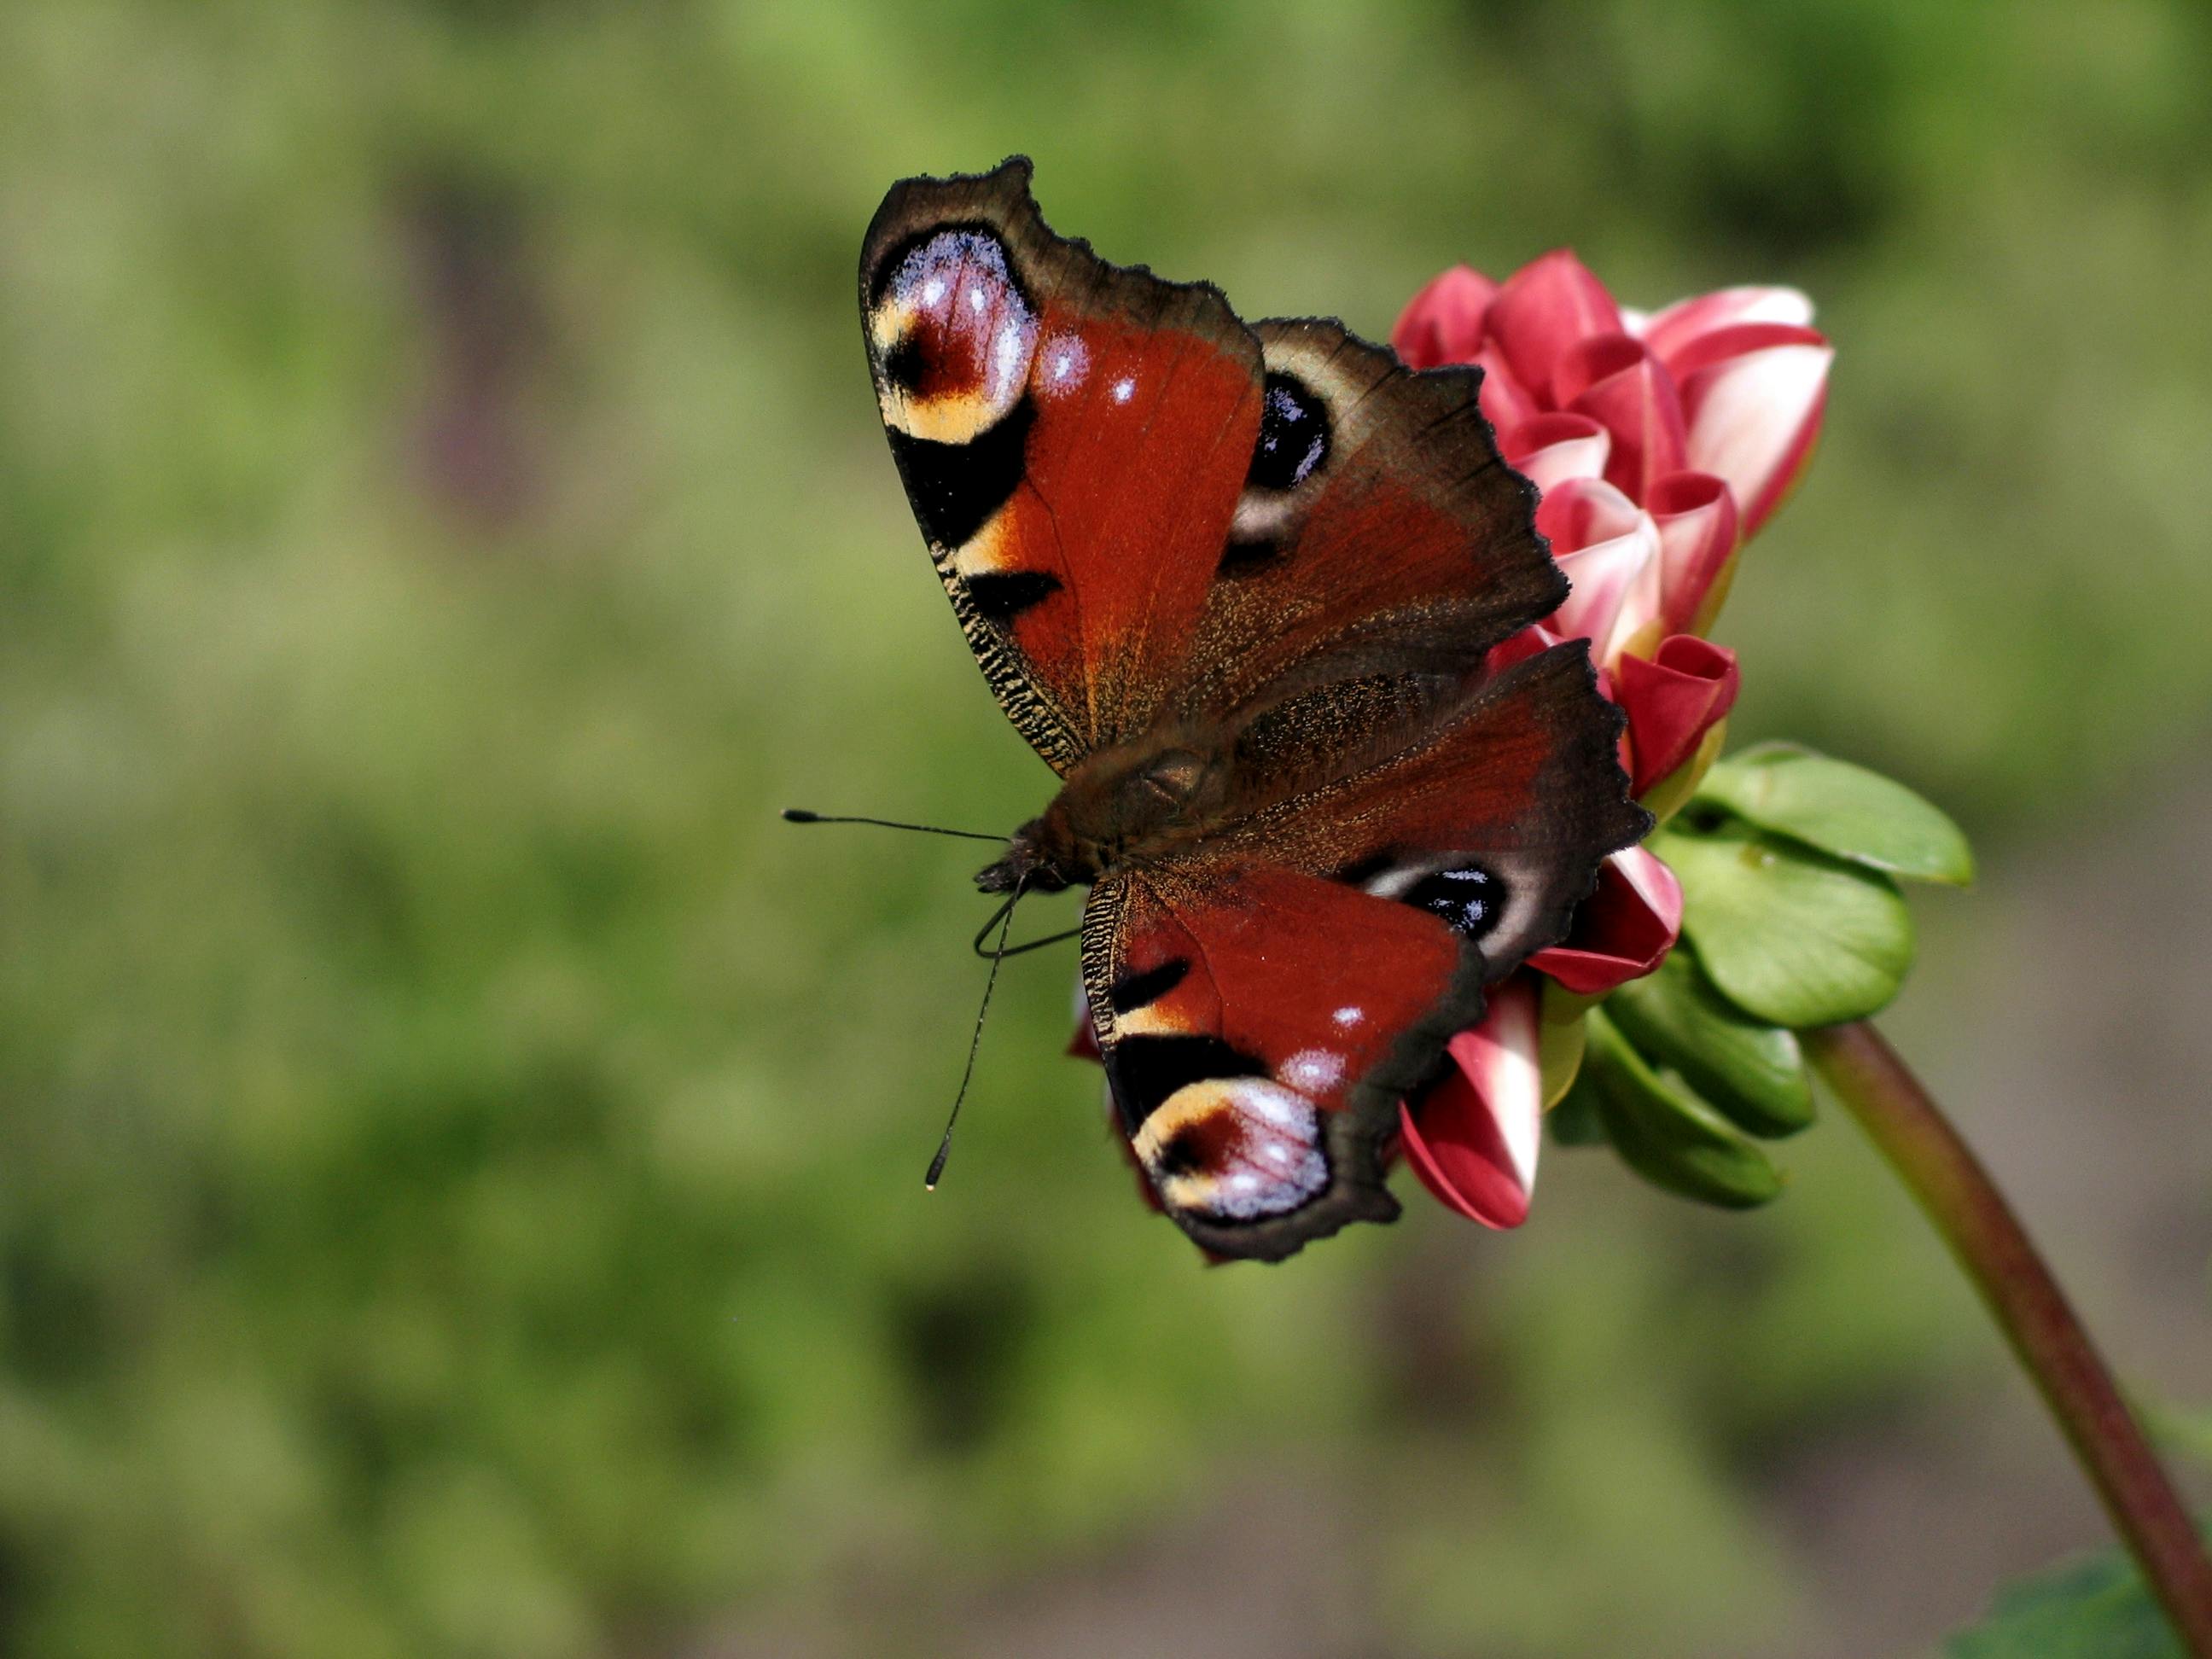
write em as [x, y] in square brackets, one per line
[1660, 444]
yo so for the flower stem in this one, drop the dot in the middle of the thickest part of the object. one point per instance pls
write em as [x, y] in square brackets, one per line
[1957, 1196]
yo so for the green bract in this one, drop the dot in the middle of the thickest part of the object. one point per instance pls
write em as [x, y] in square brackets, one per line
[1664, 1132]
[1750, 1069]
[1841, 809]
[1791, 918]
[1788, 933]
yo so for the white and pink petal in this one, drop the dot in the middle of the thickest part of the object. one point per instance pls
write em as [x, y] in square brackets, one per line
[1474, 1137]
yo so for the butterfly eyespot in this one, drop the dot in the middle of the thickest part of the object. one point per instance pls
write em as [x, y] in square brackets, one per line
[1294, 434]
[1234, 1148]
[1468, 900]
[955, 336]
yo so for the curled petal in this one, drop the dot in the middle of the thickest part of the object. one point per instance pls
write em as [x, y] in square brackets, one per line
[1612, 379]
[1582, 513]
[1084, 1045]
[1443, 324]
[1752, 397]
[1608, 548]
[1667, 331]
[1472, 1139]
[1555, 447]
[1530, 642]
[1672, 701]
[1505, 402]
[1695, 513]
[1545, 308]
[1592, 358]
[1622, 931]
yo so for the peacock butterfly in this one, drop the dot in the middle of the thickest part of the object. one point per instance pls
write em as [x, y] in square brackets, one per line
[1239, 585]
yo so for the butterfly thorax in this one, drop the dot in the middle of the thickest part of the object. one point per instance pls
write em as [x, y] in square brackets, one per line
[1125, 806]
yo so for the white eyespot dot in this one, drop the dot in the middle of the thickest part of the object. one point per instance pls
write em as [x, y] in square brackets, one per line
[1313, 1071]
[1009, 357]
[1124, 389]
[932, 290]
[974, 299]
[1349, 1015]
[1063, 363]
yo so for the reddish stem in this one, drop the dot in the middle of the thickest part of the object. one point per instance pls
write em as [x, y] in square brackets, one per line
[1951, 1185]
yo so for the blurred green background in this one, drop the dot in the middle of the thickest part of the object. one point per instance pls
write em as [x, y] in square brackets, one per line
[460, 1157]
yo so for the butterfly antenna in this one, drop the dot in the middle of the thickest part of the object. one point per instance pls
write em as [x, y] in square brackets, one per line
[801, 815]
[1006, 921]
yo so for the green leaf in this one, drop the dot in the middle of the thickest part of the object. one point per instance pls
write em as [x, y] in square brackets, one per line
[1788, 933]
[1666, 1133]
[1750, 1069]
[2096, 1608]
[1841, 809]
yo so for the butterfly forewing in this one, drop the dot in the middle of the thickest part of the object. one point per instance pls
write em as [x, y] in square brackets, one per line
[1378, 526]
[1072, 437]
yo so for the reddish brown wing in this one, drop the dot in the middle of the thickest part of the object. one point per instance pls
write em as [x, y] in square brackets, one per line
[1257, 1026]
[1496, 820]
[1262, 1001]
[1139, 505]
[1072, 437]
[1148, 515]
[1378, 528]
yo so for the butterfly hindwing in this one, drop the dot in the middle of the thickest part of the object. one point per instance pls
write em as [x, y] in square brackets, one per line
[1497, 817]
[1263, 1003]
[1258, 1026]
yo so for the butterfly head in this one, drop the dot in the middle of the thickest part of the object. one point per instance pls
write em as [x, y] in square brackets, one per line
[1027, 865]
[1123, 805]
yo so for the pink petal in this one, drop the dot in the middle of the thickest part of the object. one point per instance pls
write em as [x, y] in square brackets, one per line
[1752, 395]
[1622, 931]
[1550, 449]
[1084, 1045]
[1528, 642]
[1616, 580]
[1695, 513]
[1592, 358]
[1667, 331]
[1473, 1138]
[1545, 308]
[1584, 512]
[1443, 324]
[1672, 701]
[1615, 381]
[1505, 402]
